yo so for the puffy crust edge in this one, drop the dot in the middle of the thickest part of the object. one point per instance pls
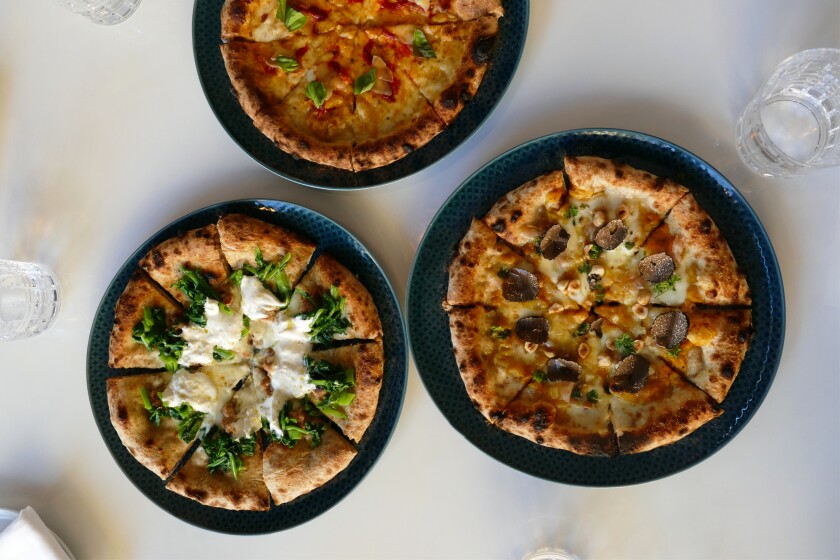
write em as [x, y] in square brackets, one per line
[389, 149]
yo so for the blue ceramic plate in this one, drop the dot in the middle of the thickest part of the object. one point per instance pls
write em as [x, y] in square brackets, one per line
[429, 329]
[216, 84]
[332, 239]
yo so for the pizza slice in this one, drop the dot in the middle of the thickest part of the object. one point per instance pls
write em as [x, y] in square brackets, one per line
[392, 118]
[499, 350]
[145, 426]
[195, 254]
[706, 345]
[308, 455]
[143, 320]
[615, 208]
[249, 242]
[336, 300]
[487, 271]
[224, 472]
[686, 259]
[446, 62]
[315, 120]
[263, 74]
[347, 380]
[264, 21]
[650, 404]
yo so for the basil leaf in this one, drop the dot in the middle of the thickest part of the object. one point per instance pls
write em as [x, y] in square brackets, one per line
[422, 46]
[365, 82]
[281, 10]
[294, 19]
[220, 354]
[317, 93]
[286, 63]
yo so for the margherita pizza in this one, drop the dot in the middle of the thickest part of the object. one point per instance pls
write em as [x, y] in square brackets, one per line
[356, 84]
[269, 364]
[598, 309]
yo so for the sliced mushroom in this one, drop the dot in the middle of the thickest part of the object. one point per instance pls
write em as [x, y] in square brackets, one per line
[559, 369]
[533, 329]
[611, 235]
[657, 268]
[669, 329]
[554, 242]
[520, 285]
[630, 374]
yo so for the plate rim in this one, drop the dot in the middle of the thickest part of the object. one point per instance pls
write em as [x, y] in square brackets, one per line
[381, 183]
[403, 374]
[632, 136]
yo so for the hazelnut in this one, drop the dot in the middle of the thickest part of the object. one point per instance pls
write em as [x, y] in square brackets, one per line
[640, 310]
[638, 345]
[643, 298]
[600, 218]
[583, 350]
[531, 347]
[622, 211]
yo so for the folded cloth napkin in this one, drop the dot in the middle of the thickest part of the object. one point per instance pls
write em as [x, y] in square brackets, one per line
[27, 538]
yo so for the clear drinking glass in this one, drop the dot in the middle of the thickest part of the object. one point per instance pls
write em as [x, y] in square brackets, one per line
[793, 123]
[105, 12]
[29, 299]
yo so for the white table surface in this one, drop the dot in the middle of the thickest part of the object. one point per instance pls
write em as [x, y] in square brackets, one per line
[105, 137]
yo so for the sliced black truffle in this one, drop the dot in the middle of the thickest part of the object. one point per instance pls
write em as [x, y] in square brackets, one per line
[630, 374]
[554, 242]
[657, 268]
[669, 329]
[611, 235]
[559, 369]
[533, 329]
[520, 285]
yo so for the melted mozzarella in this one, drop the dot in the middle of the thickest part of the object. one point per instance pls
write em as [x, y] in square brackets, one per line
[206, 390]
[222, 329]
[257, 301]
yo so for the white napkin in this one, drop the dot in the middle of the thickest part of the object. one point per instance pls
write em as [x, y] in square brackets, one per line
[27, 538]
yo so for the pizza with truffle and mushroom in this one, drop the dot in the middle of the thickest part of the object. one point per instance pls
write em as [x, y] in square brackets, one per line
[598, 309]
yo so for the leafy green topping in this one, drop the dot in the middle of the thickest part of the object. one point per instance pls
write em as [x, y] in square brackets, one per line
[155, 412]
[364, 82]
[599, 293]
[675, 351]
[293, 431]
[225, 453]
[246, 326]
[592, 396]
[582, 329]
[595, 251]
[195, 286]
[539, 377]
[499, 332]
[335, 382]
[220, 354]
[293, 19]
[422, 46]
[236, 277]
[585, 267]
[272, 275]
[287, 63]
[503, 272]
[317, 93]
[571, 213]
[151, 331]
[537, 243]
[629, 244]
[576, 394]
[327, 320]
[189, 421]
[625, 344]
[666, 285]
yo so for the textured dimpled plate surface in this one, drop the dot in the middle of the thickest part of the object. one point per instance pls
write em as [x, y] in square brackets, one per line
[207, 29]
[332, 239]
[429, 329]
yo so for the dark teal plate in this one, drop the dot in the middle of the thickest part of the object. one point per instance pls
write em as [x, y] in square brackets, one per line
[510, 42]
[429, 330]
[332, 239]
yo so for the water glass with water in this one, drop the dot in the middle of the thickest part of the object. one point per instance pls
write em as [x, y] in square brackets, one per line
[105, 12]
[793, 123]
[29, 299]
